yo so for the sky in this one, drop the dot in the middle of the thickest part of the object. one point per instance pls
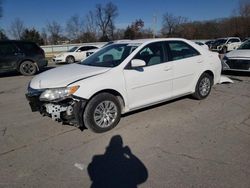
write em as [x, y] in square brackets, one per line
[37, 13]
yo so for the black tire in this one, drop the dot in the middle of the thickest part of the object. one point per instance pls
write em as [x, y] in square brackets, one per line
[27, 68]
[102, 113]
[70, 59]
[203, 86]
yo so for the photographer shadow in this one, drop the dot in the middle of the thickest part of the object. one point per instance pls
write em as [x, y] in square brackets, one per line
[117, 167]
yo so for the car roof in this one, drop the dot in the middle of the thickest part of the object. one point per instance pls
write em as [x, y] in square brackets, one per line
[151, 40]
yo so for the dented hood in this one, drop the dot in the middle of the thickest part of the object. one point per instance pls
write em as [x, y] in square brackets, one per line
[64, 75]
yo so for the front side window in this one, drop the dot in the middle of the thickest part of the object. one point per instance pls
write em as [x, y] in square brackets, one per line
[110, 56]
[180, 50]
[152, 54]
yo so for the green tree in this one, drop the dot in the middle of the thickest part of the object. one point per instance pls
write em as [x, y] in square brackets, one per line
[134, 31]
[32, 35]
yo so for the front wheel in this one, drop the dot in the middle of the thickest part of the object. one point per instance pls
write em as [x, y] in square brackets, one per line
[70, 59]
[102, 113]
[203, 86]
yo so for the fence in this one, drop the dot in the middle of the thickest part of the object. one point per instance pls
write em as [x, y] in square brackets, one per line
[53, 49]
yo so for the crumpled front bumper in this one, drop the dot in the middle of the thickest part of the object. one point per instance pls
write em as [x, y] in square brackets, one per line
[67, 111]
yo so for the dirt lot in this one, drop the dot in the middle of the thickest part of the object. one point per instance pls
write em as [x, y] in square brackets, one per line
[182, 143]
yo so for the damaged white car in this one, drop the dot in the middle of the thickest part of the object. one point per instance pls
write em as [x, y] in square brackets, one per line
[121, 78]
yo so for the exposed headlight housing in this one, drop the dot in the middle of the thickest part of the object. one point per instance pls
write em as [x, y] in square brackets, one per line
[58, 93]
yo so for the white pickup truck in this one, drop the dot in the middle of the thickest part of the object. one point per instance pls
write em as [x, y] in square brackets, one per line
[224, 45]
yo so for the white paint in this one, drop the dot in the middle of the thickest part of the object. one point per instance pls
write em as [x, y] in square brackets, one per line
[80, 166]
[224, 79]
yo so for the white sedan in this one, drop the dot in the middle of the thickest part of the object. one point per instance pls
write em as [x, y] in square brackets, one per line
[74, 54]
[239, 59]
[121, 78]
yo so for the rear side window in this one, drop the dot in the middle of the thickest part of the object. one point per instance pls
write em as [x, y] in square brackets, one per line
[86, 48]
[7, 49]
[234, 40]
[28, 47]
[180, 50]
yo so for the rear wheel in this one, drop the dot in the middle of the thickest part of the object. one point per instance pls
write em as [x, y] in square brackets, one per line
[203, 86]
[70, 59]
[102, 113]
[27, 68]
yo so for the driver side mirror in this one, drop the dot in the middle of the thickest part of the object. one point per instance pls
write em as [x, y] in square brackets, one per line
[135, 63]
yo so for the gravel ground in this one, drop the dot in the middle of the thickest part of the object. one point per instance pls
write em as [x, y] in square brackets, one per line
[182, 143]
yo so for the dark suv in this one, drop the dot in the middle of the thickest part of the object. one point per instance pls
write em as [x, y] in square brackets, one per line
[24, 57]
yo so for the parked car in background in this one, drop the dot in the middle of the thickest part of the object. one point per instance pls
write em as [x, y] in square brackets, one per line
[224, 45]
[88, 53]
[209, 43]
[202, 45]
[123, 77]
[238, 59]
[22, 56]
[74, 54]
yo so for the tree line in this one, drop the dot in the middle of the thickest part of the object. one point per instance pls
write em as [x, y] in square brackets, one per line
[99, 25]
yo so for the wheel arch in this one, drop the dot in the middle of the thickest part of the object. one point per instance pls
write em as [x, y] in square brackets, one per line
[115, 93]
[210, 73]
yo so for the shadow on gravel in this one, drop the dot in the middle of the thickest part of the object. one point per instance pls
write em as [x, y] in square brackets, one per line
[117, 167]
[158, 105]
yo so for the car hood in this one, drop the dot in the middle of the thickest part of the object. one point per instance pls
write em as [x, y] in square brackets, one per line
[64, 75]
[239, 54]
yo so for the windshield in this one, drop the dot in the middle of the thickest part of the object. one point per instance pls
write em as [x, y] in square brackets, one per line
[245, 45]
[199, 43]
[220, 41]
[110, 56]
[72, 49]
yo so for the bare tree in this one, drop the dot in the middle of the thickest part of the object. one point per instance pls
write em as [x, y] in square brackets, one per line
[17, 28]
[170, 23]
[244, 8]
[90, 23]
[44, 36]
[1, 9]
[74, 28]
[105, 17]
[54, 29]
